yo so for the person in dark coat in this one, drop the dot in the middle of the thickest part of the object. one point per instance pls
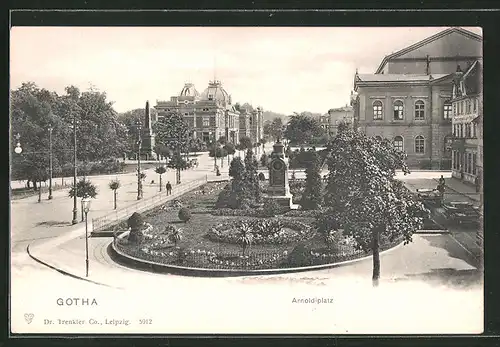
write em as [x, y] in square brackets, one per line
[169, 188]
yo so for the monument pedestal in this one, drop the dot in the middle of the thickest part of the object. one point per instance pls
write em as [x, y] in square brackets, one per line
[279, 189]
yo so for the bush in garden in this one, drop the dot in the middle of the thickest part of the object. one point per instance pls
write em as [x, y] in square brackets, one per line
[312, 197]
[135, 223]
[299, 256]
[184, 214]
[271, 207]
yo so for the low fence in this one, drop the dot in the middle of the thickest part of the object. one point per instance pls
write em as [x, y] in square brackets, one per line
[103, 222]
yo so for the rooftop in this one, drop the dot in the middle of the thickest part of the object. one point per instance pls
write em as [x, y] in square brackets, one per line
[398, 77]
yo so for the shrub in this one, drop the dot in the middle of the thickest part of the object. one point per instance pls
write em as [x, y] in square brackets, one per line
[299, 256]
[272, 208]
[135, 221]
[184, 214]
[262, 177]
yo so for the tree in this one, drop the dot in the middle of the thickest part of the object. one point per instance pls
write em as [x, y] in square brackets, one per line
[363, 197]
[312, 198]
[173, 132]
[230, 150]
[251, 175]
[245, 143]
[222, 142]
[84, 189]
[274, 129]
[129, 121]
[160, 171]
[114, 185]
[264, 159]
[301, 128]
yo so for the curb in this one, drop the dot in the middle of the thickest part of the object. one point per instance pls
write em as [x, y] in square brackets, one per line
[66, 273]
[141, 264]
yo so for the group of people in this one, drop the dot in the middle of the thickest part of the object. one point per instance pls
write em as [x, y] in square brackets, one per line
[441, 185]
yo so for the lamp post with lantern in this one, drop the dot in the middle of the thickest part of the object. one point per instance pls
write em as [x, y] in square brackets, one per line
[86, 208]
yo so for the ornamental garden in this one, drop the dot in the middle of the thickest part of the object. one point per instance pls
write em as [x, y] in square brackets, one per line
[232, 225]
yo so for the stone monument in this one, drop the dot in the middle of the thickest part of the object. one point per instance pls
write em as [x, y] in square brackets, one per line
[279, 189]
[148, 140]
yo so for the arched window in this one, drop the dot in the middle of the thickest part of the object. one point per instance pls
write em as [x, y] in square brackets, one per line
[419, 110]
[398, 110]
[419, 144]
[377, 110]
[398, 143]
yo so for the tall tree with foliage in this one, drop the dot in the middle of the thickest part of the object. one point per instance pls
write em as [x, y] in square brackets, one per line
[363, 197]
[173, 132]
[301, 128]
[230, 149]
[312, 197]
[245, 143]
[251, 175]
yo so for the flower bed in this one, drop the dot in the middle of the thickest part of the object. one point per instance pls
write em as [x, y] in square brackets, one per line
[263, 231]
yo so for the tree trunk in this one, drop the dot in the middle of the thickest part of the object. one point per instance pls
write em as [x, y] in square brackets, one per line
[376, 256]
[82, 208]
[114, 198]
[160, 184]
[39, 192]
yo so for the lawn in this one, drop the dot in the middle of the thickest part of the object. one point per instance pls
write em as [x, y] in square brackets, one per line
[195, 249]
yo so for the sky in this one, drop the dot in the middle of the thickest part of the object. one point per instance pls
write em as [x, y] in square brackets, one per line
[282, 69]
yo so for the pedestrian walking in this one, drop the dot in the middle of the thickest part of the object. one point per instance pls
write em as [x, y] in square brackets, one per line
[442, 180]
[168, 186]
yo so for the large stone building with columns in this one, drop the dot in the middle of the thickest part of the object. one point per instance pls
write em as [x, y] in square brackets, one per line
[408, 98]
[211, 114]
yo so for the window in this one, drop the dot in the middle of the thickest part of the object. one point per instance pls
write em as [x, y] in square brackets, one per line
[419, 144]
[186, 113]
[462, 107]
[447, 143]
[398, 110]
[447, 111]
[455, 109]
[461, 130]
[377, 110]
[473, 130]
[205, 109]
[398, 143]
[474, 161]
[206, 122]
[474, 103]
[419, 110]
[468, 106]
[210, 97]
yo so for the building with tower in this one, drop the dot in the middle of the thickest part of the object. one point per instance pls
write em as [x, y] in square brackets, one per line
[212, 114]
[409, 97]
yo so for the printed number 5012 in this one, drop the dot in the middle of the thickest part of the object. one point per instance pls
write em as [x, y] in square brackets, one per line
[145, 321]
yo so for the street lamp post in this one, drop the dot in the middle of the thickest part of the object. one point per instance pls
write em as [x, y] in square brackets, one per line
[139, 142]
[50, 162]
[75, 209]
[86, 208]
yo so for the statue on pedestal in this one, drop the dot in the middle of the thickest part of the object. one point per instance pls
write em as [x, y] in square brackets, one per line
[279, 188]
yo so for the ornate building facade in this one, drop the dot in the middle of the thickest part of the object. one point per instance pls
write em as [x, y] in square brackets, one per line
[408, 98]
[330, 121]
[467, 114]
[212, 115]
